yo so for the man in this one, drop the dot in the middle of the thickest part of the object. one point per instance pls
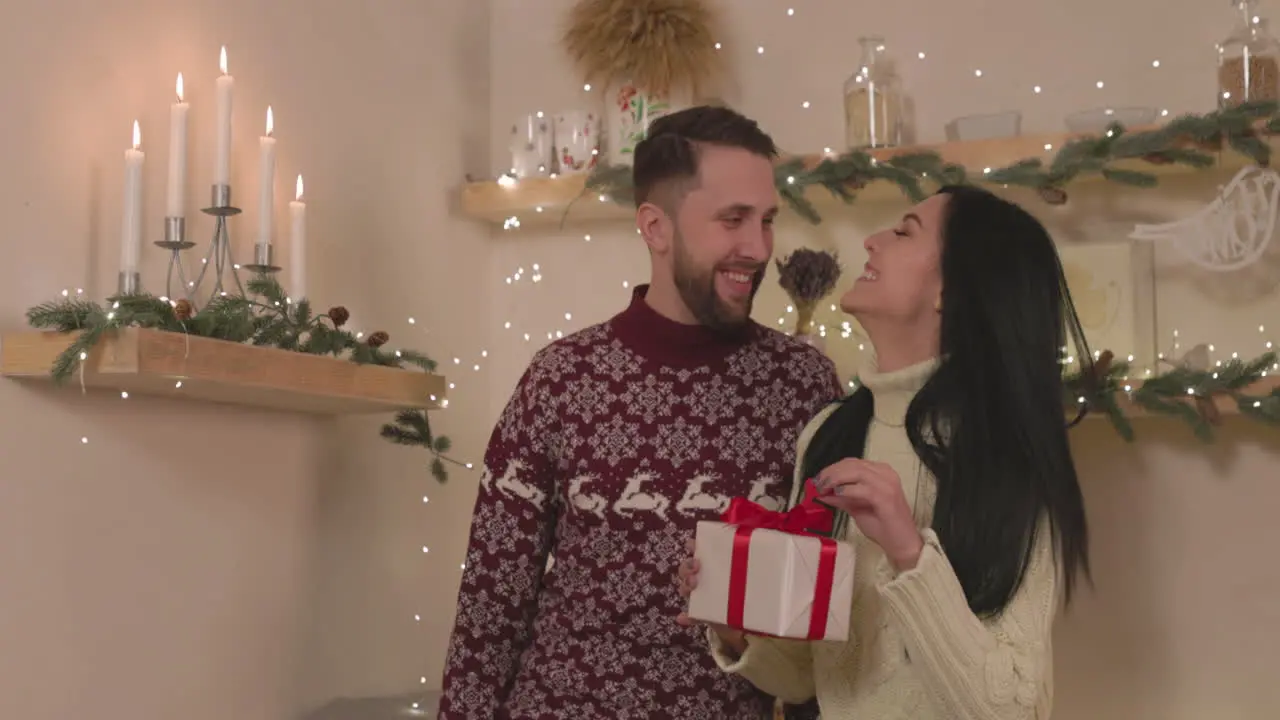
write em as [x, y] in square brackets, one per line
[619, 439]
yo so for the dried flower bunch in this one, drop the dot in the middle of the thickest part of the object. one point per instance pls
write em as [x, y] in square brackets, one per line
[658, 45]
[807, 275]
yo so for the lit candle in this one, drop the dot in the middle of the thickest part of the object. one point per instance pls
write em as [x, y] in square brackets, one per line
[175, 205]
[266, 178]
[222, 160]
[298, 243]
[131, 222]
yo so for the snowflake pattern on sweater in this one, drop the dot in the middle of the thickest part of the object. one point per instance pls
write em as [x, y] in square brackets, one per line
[609, 452]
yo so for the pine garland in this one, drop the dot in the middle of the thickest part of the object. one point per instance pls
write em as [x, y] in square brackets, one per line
[1182, 392]
[1187, 140]
[264, 317]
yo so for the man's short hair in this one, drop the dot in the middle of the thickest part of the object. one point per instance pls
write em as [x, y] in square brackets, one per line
[668, 155]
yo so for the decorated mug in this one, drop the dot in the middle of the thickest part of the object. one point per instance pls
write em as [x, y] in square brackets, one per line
[577, 141]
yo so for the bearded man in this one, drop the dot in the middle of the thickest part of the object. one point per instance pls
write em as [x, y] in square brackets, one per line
[618, 439]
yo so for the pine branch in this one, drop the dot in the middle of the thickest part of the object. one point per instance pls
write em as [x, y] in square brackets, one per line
[267, 318]
[1183, 141]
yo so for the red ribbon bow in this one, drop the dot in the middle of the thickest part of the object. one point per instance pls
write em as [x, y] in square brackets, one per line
[807, 517]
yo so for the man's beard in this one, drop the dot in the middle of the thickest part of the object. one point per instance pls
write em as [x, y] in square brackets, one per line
[698, 291]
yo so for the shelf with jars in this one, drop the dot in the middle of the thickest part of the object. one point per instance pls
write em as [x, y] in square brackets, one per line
[547, 201]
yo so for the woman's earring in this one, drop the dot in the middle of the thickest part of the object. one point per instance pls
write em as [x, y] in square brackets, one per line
[937, 305]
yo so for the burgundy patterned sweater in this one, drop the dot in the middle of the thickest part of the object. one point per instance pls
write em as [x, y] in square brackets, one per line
[616, 442]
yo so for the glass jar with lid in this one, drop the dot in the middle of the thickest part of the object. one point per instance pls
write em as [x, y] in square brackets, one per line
[873, 99]
[1248, 59]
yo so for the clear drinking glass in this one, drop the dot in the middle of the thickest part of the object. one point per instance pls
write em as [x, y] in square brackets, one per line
[873, 99]
[1248, 59]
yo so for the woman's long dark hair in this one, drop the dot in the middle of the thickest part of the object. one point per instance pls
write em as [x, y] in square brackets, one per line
[990, 424]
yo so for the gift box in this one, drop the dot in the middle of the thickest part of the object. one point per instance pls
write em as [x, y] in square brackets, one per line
[771, 573]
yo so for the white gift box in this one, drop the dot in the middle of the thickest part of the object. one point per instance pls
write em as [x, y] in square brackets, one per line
[781, 577]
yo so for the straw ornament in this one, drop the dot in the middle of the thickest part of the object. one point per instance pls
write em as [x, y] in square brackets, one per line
[657, 45]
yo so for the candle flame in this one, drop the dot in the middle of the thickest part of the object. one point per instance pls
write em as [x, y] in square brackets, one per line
[179, 87]
[137, 135]
[222, 60]
[271, 122]
[297, 195]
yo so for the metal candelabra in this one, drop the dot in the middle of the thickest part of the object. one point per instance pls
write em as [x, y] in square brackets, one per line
[175, 241]
[219, 255]
[225, 275]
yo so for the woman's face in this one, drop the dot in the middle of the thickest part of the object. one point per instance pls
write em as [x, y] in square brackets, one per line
[902, 280]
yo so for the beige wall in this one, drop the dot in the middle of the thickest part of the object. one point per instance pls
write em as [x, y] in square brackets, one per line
[209, 562]
[203, 562]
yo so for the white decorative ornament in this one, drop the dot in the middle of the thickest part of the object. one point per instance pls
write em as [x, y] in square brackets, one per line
[1231, 232]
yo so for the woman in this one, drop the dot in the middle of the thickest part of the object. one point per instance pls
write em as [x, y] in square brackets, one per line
[967, 518]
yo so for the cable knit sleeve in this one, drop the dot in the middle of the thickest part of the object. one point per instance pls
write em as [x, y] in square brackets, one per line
[999, 669]
[781, 668]
[511, 535]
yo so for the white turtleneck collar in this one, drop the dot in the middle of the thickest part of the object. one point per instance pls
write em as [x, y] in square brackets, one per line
[893, 391]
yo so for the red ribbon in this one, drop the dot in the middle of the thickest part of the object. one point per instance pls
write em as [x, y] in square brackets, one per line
[806, 518]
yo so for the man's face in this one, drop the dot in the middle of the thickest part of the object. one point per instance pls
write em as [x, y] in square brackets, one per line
[723, 236]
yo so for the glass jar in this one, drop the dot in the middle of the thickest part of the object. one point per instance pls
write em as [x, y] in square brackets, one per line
[873, 99]
[1248, 60]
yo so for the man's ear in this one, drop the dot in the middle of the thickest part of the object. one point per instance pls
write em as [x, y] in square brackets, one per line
[656, 227]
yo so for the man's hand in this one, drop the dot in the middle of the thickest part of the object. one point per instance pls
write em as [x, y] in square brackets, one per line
[686, 581]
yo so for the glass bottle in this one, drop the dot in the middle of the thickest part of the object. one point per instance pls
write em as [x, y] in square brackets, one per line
[1248, 60]
[873, 99]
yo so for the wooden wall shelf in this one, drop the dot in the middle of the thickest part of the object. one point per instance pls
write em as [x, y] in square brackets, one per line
[165, 364]
[543, 201]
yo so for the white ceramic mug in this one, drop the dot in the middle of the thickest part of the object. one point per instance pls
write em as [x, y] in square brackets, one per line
[577, 136]
[531, 147]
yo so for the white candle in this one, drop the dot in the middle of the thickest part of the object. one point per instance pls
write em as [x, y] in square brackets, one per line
[176, 202]
[222, 160]
[298, 244]
[266, 179]
[131, 219]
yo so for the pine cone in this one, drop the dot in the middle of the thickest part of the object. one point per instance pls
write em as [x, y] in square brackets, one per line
[1053, 195]
[339, 316]
[378, 339]
[1094, 381]
[183, 310]
[1208, 409]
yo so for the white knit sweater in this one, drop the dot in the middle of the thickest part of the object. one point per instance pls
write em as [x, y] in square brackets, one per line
[916, 651]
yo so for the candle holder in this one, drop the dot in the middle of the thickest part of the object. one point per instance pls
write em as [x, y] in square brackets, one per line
[219, 255]
[262, 259]
[129, 283]
[175, 241]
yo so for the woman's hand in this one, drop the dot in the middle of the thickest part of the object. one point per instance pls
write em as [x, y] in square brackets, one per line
[871, 494]
[686, 581]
